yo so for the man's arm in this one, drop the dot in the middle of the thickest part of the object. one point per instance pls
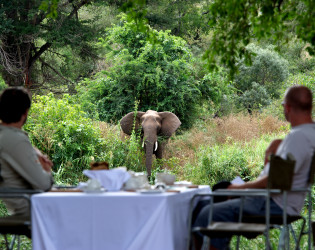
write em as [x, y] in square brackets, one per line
[28, 165]
[272, 149]
[44, 160]
[259, 183]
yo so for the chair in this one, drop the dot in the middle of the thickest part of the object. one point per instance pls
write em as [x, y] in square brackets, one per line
[252, 226]
[16, 225]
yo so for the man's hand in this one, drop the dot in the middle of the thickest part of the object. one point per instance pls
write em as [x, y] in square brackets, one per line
[235, 186]
[44, 160]
[272, 149]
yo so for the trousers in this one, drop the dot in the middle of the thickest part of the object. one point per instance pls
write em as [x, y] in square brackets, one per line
[228, 211]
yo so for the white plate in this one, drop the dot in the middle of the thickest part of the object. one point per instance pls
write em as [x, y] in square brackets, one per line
[151, 191]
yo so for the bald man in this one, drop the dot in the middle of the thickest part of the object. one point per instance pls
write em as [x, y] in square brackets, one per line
[300, 142]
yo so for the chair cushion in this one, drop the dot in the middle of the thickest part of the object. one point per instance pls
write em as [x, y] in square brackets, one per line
[228, 229]
[274, 219]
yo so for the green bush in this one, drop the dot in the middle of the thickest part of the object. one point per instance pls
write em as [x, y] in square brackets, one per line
[62, 130]
[158, 75]
[218, 94]
[255, 98]
[268, 69]
[299, 59]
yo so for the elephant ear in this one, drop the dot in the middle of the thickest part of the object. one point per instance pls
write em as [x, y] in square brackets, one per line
[126, 123]
[169, 124]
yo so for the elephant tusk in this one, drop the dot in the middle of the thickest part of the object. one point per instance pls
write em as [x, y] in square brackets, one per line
[156, 146]
[143, 144]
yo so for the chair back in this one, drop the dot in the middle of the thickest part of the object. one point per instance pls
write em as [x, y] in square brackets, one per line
[312, 171]
[280, 173]
[313, 229]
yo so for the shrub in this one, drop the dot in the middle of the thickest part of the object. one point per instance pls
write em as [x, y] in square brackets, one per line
[268, 69]
[158, 75]
[62, 130]
[218, 93]
[298, 57]
[255, 98]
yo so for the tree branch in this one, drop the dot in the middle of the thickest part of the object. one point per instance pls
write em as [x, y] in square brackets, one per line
[48, 44]
[54, 70]
[38, 54]
[77, 7]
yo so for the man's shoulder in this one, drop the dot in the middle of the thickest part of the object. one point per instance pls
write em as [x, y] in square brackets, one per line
[307, 129]
[303, 134]
[11, 135]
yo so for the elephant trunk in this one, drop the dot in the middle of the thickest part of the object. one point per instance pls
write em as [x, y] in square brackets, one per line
[148, 156]
[156, 145]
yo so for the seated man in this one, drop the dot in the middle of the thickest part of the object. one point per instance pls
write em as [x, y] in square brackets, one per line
[300, 142]
[21, 165]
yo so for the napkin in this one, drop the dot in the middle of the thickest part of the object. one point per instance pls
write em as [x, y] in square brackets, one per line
[111, 180]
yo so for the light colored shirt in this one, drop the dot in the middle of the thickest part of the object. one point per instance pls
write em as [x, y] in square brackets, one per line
[20, 167]
[300, 142]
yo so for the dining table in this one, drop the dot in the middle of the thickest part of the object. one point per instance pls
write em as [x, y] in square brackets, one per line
[140, 220]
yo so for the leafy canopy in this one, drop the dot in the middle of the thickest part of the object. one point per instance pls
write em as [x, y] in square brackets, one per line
[268, 69]
[236, 23]
[35, 48]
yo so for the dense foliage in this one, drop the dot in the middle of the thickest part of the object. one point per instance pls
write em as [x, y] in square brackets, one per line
[185, 18]
[257, 84]
[61, 129]
[236, 23]
[36, 49]
[158, 76]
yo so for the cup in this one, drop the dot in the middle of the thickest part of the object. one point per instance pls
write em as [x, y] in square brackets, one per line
[93, 184]
[165, 178]
[136, 181]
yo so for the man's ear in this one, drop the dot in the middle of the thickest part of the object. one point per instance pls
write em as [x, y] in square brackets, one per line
[24, 117]
[25, 114]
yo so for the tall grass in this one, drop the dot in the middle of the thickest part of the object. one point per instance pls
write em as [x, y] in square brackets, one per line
[220, 149]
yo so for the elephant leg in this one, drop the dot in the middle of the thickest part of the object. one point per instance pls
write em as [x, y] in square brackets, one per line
[159, 152]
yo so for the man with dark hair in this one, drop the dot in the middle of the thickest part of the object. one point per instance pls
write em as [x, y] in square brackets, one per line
[21, 165]
[300, 142]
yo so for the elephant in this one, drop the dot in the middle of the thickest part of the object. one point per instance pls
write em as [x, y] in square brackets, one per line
[154, 124]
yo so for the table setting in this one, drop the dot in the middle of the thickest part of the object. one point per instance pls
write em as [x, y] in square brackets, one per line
[119, 179]
[114, 209]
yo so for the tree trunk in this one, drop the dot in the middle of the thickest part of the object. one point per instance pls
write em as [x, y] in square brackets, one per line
[13, 79]
[16, 65]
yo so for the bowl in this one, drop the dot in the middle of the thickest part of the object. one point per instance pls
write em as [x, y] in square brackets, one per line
[166, 178]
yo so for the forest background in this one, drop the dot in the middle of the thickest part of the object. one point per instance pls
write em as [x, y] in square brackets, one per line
[222, 68]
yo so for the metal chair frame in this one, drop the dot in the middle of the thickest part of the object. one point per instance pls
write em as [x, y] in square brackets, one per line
[16, 225]
[243, 228]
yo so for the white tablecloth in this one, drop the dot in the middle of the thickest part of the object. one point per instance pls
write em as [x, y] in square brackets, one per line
[111, 220]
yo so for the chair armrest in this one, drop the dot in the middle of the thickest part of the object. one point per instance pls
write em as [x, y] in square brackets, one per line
[245, 192]
[18, 193]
